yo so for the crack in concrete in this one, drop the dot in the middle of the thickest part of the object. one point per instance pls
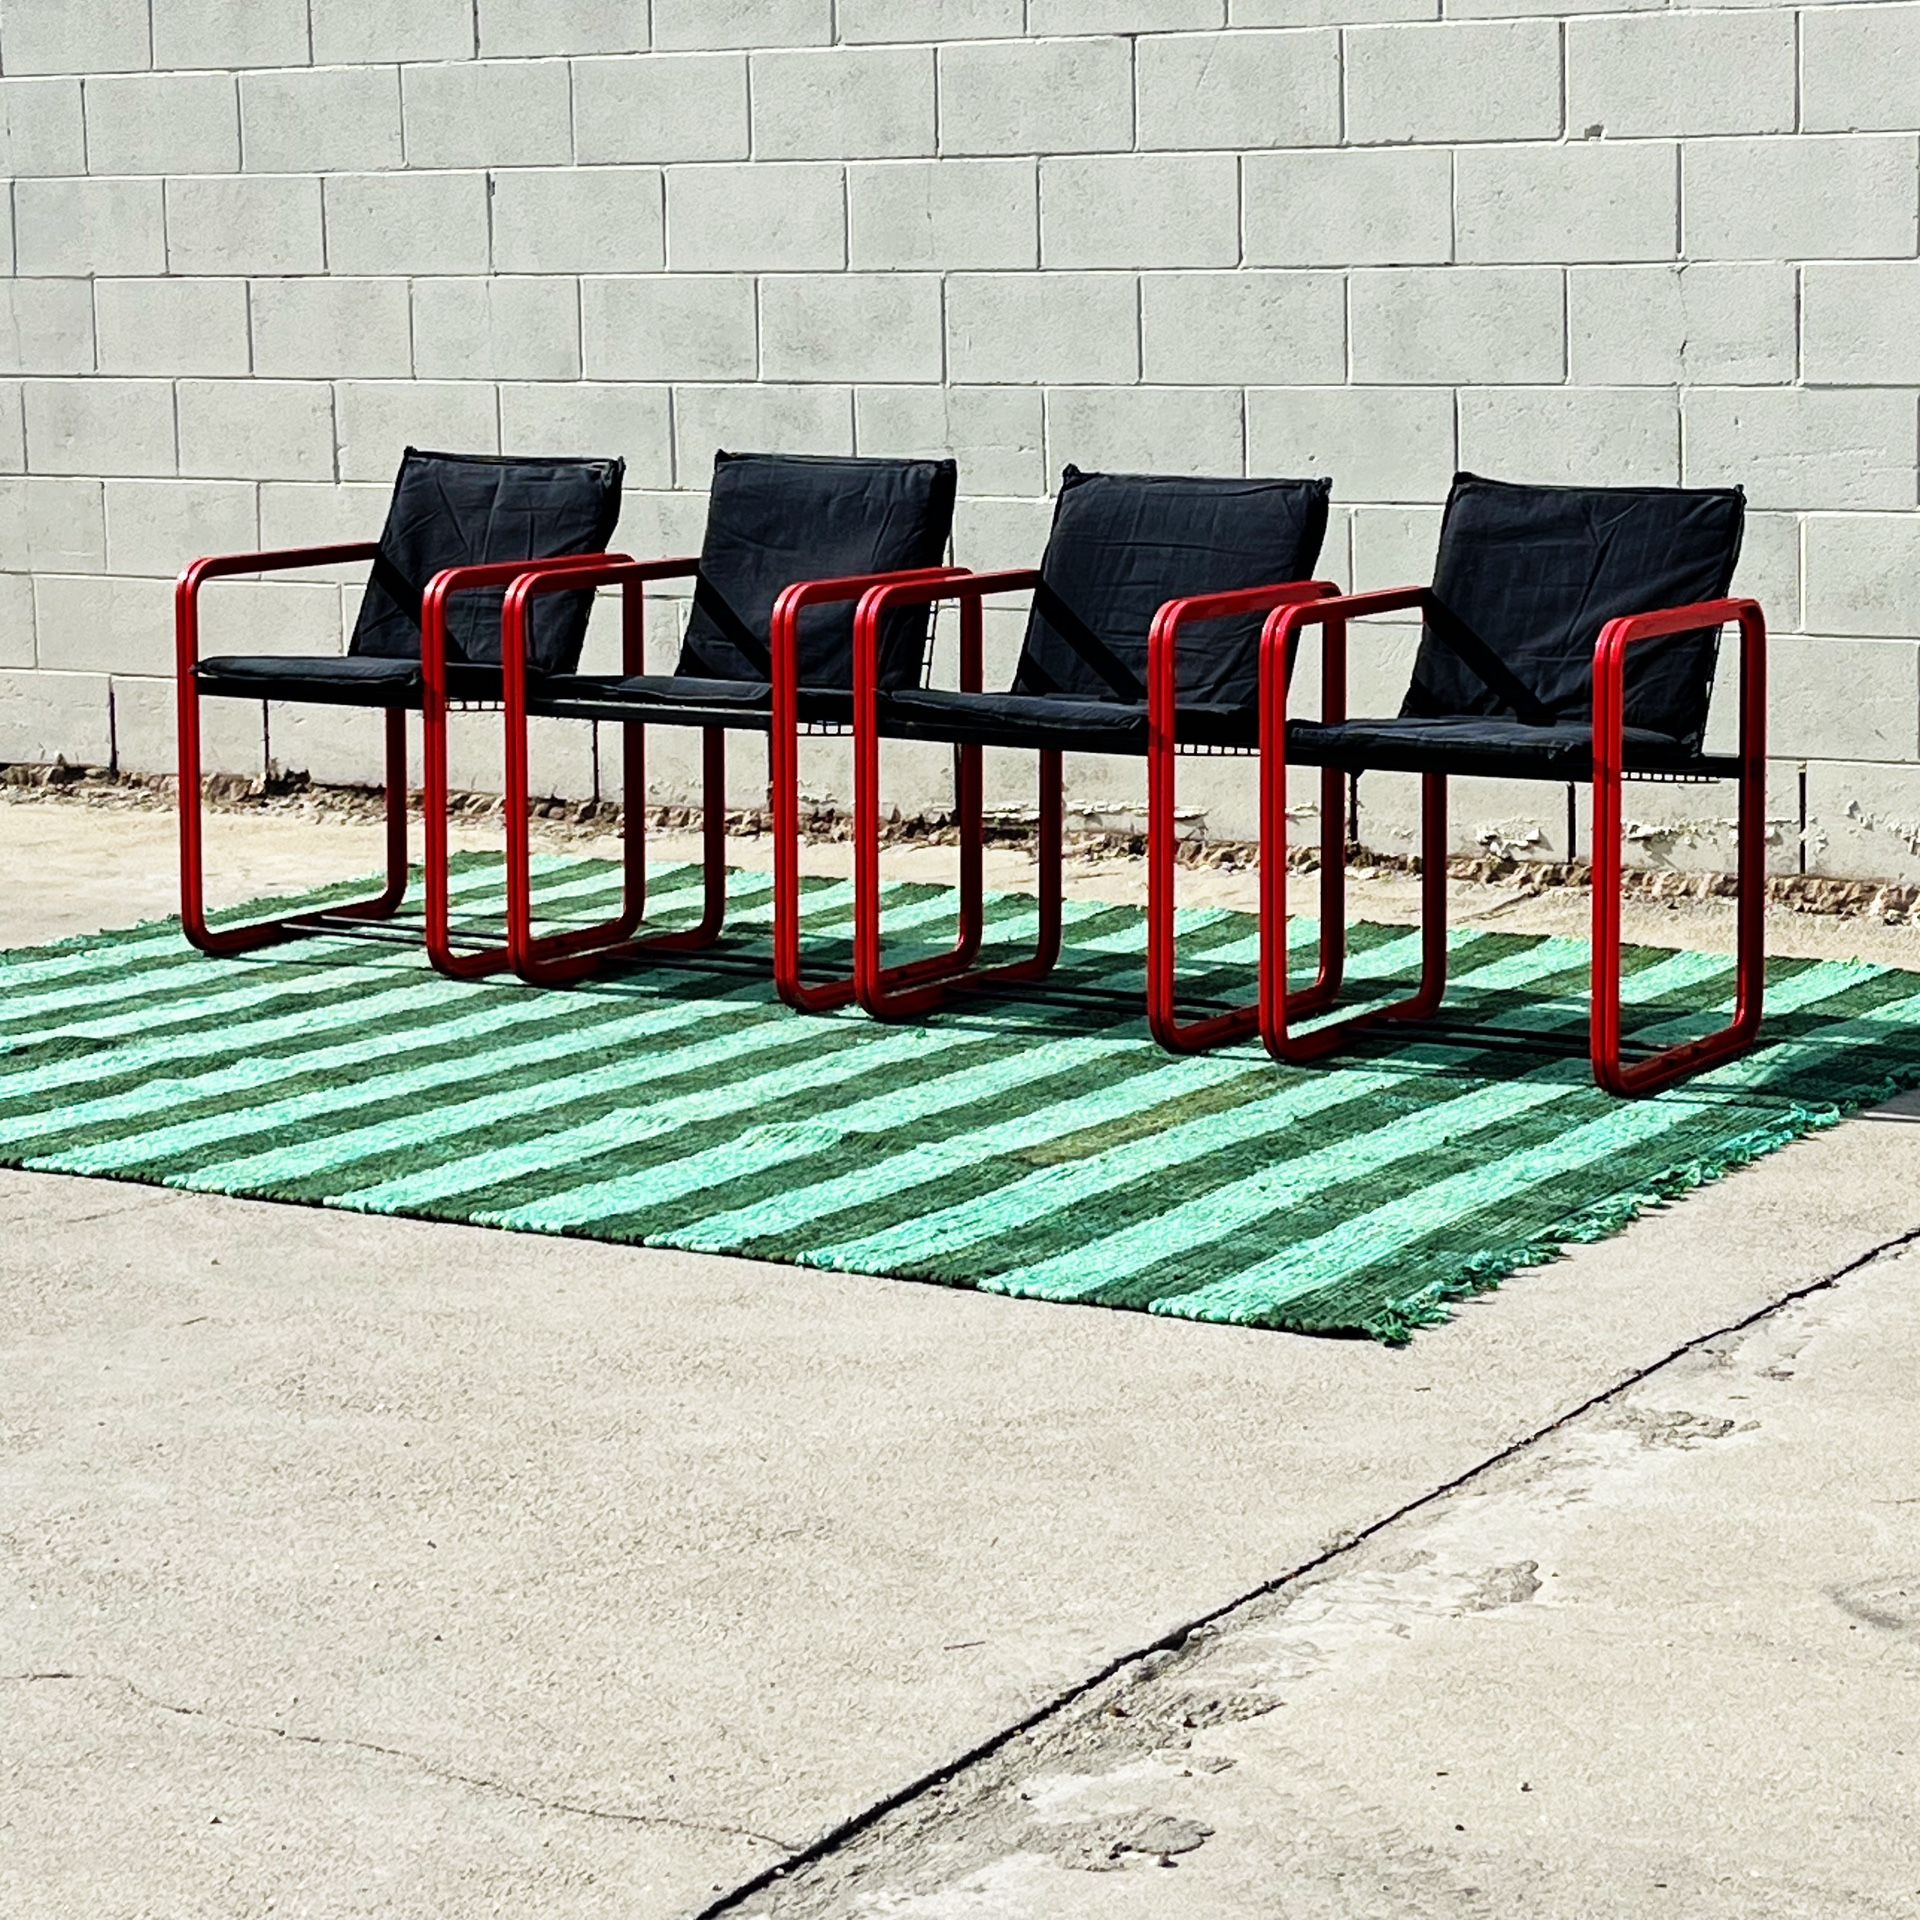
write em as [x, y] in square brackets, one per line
[481, 1782]
[1176, 1640]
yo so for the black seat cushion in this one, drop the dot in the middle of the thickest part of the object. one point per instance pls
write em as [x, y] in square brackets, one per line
[1527, 577]
[1051, 720]
[1122, 545]
[467, 509]
[773, 519]
[355, 680]
[1470, 744]
[681, 699]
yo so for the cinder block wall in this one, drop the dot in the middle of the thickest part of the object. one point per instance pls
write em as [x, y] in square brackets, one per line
[255, 246]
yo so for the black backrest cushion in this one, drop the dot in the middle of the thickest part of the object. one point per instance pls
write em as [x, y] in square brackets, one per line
[466, 509]
[774, 518]
[1123, 544]
[1527, 576]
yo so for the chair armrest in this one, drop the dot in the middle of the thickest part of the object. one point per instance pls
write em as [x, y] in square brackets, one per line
[1279, 640]
[1628, 630]
[575, 570]
[784, 636]
[1163, 636]
[213, 566]
[969, 589]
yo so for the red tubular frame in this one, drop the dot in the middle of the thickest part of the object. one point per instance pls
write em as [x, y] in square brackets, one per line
[456, 962]
[1609, 718]
[1176, 1035]
[193, 895]
[901, 992]
[783, 775]
[1279, 1006]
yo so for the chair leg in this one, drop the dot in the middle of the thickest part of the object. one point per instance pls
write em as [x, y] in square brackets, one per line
[267, 933]
[1279, 1007]
[1672, 1064]
[559, 959]
[904, 992]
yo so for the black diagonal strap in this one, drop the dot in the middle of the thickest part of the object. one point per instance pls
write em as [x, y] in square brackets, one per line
[396, 586]
[1450, 631]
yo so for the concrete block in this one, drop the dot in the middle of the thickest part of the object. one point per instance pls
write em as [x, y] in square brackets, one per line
[995, 433]
[1863, 822]
[328, 120]
[1139, 16]
[55, 717]
[173, 327]
[88, 227]
[380, 419]
[661, 107]
[1379, 443]
[1392, 547]
[40, 128]
[863, 22]
[1769, 569]
[1238, 328]
[1796, 448]
[56, 36]
[146, 730]
[406, 223]
[743, 23]
[530, 27]
[1857, 323]
[991, 534]
[1816, 197]
[592, 421]
[1590, 201]
[355, 32]
[52, 525]
[769, 216]
[1037, 96]
[1488, 80]
[843, 103]
[560, 761]
[46, 326]
[948, 214]
[1021, 328]
[325, 329]
[1386, 207]
[336, 747]
[1147, 429]
[1860, 69]
[508, 328]
[578, 220]
[1832, 699]
[1517, 819]
[13, 429]
[225, 34]
[1140, 210]
[1447, 326]
[1863, 570]
[1664, 74]
[298, 513]
[1701, 323]
[757, 419]
[265, 429]
[290, 614]
[255, 223]
[155, 527]
[99, 426]
[488, 113]
[850, 326]
[95, 623]
[1355, 13]
[1566, 436]
[691, 327]
[162, 123]
[1239, 90]
[1668, 829]
[16, 621]
[664, 524]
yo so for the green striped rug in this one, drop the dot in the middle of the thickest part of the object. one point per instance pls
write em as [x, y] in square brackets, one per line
[1051, 1152]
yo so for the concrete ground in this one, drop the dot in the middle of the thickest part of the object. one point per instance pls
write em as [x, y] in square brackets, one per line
[369, 1567]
